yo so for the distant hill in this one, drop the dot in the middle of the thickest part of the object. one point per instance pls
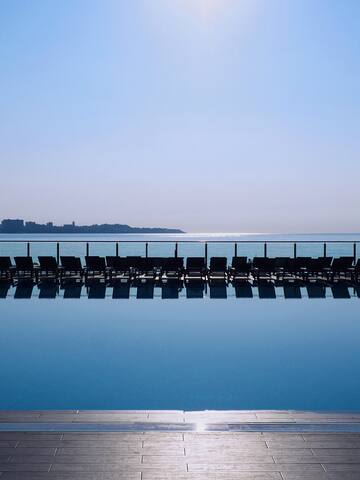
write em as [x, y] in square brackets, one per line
[19, 226]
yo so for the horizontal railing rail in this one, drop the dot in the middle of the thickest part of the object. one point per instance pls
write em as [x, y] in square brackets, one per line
[176, 243]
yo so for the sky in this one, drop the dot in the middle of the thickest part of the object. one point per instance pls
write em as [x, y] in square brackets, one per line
[206, 115]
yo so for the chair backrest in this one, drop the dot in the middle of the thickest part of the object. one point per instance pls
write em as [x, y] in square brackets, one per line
[117, 263]
[135, 262]
[5, 263]
[281, 262]
[72, 264]
[342, 263]
[24, 263]
[95, 263]
[195, 263]
[265, 264]
[48, 263]
[218, 264]
[240, 264]
[302, 262]
[174, 264]
[320, 263]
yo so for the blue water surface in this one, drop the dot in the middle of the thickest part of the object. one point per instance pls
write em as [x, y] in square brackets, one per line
[233, 353]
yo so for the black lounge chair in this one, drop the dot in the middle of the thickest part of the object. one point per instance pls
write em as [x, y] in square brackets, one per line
[95, 266]
[48, 267]
[173, 268]
[118, 268]
[342, 268]
[145, 269]
[281, 266]
[218, 269]
[195, 268]
[240, 269]
[263, 267]
[319, 268]
[298, 267]
[356, 271]
[71, 267]
[6, 268]
[25, 267]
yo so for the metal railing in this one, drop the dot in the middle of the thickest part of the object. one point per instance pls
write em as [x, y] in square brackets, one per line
[118, 243]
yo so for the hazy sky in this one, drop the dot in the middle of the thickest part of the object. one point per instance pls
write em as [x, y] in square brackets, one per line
[208, 115]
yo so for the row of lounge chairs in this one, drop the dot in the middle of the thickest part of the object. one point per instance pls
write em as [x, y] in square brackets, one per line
[174, 268]
[172, 290]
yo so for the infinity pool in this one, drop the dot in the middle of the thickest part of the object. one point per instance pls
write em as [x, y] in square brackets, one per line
[233, 353]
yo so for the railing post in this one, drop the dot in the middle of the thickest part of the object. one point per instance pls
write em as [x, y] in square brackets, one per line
[28, 249]
[265, 249]
[146, 249]
[117, 249]
[87, 249]
[206, 253]
[176, 250]
[354, 252]
[324, 249]
[58, 252]
[294, 250]
[235, 249]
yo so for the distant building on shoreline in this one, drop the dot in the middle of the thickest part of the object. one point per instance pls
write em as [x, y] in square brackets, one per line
[19, 226]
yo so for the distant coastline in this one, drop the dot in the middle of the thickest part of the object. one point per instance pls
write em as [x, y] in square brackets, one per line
[19, 226]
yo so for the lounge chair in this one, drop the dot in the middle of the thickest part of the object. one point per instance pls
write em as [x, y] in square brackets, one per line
[95, 266]
[319, 268]
[71, 267]
[240, 269]
[281, 265]
[173, 268]
[342, 268]
[218, 269]
[6, 268]
[195, 269]
[25, 268]
[263, 268]
[118, 268]
[356, 272]
[48, 267]
[146, 270]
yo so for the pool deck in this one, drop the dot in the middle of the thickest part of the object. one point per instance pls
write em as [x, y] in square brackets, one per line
[164, 445]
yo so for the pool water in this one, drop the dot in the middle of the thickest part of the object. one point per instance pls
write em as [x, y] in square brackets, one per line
[184, 353]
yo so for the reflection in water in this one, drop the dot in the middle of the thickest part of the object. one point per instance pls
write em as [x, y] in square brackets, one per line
[175, 289]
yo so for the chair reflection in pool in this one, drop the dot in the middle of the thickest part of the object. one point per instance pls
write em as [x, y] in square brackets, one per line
[292, 291]
[171, 289]
[96, 290]
[24, 289]
[316, 290]
[121, 290]
[266, 289]
[5, 286]
[145, 291]
[48, 290]
[72, 289]
[340, 290]
[243, 290]
[218, 289]
[195, 289]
